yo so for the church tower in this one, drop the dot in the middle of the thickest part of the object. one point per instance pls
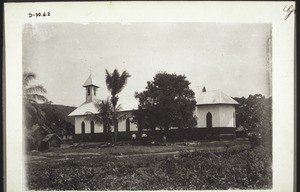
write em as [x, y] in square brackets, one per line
[90, 90]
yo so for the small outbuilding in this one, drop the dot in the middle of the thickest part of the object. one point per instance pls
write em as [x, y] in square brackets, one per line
[39, 132]
[51, 140]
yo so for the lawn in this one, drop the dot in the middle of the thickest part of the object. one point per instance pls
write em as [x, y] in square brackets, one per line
[208, 165]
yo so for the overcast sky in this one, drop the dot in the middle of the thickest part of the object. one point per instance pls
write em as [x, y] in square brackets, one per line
[229, 57]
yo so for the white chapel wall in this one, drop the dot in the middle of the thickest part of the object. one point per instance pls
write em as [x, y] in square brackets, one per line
[226, 116]
[201, 112]
[79, 119]
[122, 126]
[222, 115]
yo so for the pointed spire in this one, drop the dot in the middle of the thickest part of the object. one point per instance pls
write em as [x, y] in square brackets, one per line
[89, 82]
[203, 89]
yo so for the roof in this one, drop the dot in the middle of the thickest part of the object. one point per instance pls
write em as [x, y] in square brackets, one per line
[91, 108]
[215, 97]
[89, 82]
[49, 136]
[85, 108]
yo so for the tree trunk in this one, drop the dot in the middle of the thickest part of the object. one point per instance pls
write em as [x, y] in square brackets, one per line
[115, 121]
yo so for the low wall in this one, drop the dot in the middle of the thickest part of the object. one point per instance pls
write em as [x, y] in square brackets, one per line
[171, 135]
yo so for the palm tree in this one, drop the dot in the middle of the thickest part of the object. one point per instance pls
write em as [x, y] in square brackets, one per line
[32, 95]
[105, 116]
[115, 84]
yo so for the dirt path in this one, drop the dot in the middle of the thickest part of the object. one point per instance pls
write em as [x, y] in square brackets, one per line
[52, 156]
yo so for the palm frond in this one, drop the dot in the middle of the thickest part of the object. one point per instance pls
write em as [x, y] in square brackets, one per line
[36, 97]
[94, 117]
[124, 116]
[27, 77]
[122, 80]
[108, 80]
[116, 82]
[35, 89]
[119, 107]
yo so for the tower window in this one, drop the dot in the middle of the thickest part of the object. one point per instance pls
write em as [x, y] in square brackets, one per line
[88, 91]
[95, 91]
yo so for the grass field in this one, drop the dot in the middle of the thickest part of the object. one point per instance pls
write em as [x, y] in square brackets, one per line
[205, 165]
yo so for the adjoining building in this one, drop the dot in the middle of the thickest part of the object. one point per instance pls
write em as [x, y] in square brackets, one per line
[215, 109]
[215, 112]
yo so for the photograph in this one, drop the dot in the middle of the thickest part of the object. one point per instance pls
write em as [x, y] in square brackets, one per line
[149, 96]
[147, 106]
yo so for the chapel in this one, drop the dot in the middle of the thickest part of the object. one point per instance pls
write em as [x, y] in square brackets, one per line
[215, 112]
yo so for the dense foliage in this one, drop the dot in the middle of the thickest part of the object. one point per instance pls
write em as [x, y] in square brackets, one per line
[56, 118]
[249, 169]
[167, 102]
[39, 111]
[255, 115]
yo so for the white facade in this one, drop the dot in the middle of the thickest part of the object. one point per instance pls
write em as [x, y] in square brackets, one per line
[221, 115]
[98, 128]
[87, 125]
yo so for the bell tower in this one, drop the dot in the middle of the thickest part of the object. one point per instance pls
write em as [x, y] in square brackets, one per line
[90, 90]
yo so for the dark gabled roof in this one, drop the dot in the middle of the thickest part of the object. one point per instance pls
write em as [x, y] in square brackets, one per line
[49, 136]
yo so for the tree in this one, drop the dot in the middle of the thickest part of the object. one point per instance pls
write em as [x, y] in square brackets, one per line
[255, 115]
[115, 84]
[167, 102]
[32, 95]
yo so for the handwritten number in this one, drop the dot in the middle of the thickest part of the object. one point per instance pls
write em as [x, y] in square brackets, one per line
[39, 14]
[289, 11]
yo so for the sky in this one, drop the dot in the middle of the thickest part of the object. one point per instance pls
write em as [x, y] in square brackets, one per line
[234, 58]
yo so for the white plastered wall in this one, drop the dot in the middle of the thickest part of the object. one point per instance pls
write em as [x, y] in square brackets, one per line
[227, 113]
[79, 119]
[122, 126]
[222, 115]
[201, 112]
[99, 128]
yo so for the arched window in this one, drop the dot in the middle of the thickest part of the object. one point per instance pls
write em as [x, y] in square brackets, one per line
[89, 91]
[127, 125]
[82, 128]
[92, 127]
[208, 120]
